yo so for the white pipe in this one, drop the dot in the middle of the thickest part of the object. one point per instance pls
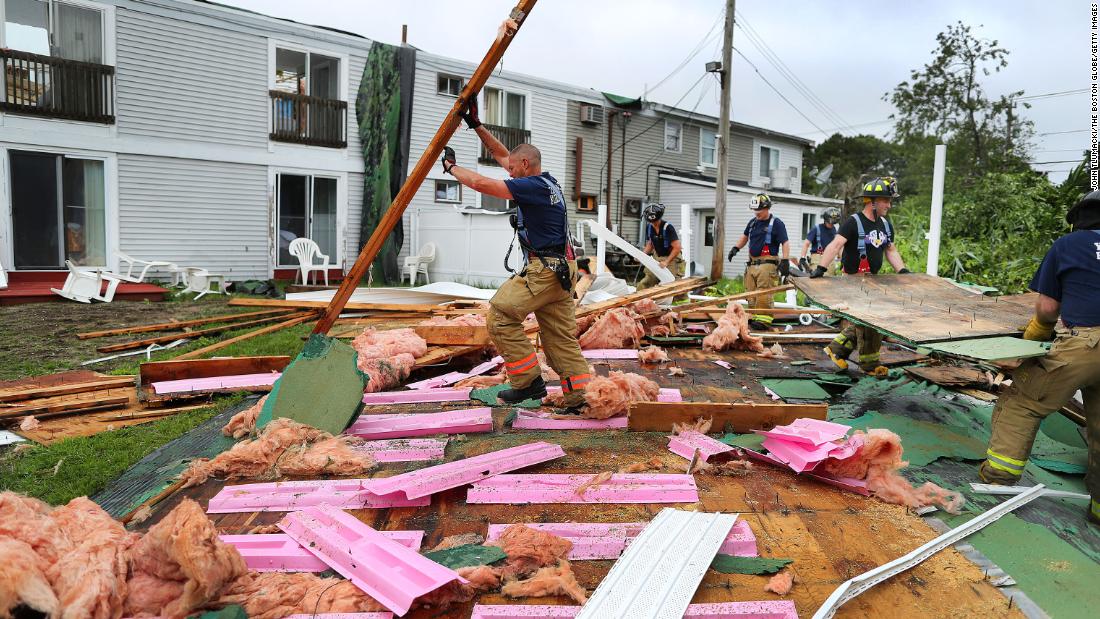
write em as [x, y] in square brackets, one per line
[685, 237]
[935, 224]
[601, 244]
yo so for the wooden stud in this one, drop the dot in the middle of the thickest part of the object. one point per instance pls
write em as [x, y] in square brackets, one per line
[453, 335]
[174, 326]
[198, 352]
[162, 339]
[740, 418]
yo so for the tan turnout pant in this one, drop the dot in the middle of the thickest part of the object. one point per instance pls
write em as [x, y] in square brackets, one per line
[853, 337]
[650, 280]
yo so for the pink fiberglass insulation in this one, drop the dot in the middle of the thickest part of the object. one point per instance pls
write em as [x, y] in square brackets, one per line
[89, 577]
[372, 343]
[552, 580]
[732, 332]
[273, 595]
[652, 354]
[584, 323]
[645, 306]
[22, 582]
[28, 520]
[608, 396]
[616, 328]
[284, 446]
[878, 461]
[529, 549]
[180, 565]
[244, 423]
[480, 382]
[29, 423]
[461, 320]
[781, 583]
[386, 372]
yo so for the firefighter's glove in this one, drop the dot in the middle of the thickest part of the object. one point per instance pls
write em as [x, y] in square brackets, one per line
[469, 113]
[448, 159]
[1039, 331]
[818, 272]
[785, 268]
[733, 252]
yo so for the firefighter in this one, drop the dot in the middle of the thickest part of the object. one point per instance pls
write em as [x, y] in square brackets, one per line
[544, 285]
[817, 240]
[1068, 283]
[662, 241]
[766, 237]
[862, 242]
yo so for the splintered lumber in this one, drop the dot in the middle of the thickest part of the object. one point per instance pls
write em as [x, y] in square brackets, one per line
[915, 307]
[442, 354]
[680, 286]
[453, 335]
[583, 284]
[183, 324]
[108, 382]
[162, 339]
[182, 369]
[198, 352]
[419, 308]
[716, 301]
[740, 418]
[70, 407]
[416, 177]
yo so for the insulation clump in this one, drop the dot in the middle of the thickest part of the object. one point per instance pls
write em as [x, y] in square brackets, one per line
[22, 581]
[732, 332]
[529, 549]
[461, 320]
[609, 396]
[552, 580]
[273, 595]
[387, 357]
[781, 583]
[29, 423]
[652, 354]
[616, 328]
[244, 423]
[649, 465]
[878, 461]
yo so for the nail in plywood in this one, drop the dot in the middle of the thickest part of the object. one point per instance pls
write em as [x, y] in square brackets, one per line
[740, 418]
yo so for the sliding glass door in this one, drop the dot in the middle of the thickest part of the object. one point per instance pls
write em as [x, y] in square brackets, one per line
[306, 208]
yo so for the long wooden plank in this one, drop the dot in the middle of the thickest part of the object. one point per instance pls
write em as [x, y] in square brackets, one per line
[717, 301]
[198, 352]
[441, 354]
[429, 159]
[162, 339]
[183, 324]
[670, 289]
[178, 369]
[367, 307]
[64, 407]
[111, 382]
[659, 416]
[453, 335]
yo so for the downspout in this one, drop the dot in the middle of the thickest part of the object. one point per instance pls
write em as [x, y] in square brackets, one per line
[622, 172]
[610, 144]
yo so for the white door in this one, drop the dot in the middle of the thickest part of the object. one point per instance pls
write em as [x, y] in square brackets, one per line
[703, 243]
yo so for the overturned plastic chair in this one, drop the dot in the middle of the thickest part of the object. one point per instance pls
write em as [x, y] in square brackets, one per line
[88, 286]
[415, 265]
[200, 280]
[305, 250]
[127, 264]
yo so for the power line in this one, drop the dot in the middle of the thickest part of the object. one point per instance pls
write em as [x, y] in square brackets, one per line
[694, 52]
[781, 96]
[1064, 132]
[661, 151]
[867, 124]
[1053, 162]
[1048, 95]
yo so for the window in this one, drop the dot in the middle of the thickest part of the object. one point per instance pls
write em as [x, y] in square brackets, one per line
[769, 161]
[307, 208]
[708, 147]
[448, 85]
[448, 191]
[673, 131]
[809, 220]
[505, 109]
[306, 73]
[587, 204]
[76, 32]
[495, 204]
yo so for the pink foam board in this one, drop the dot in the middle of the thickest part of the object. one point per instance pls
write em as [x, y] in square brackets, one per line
[235, 381]
[427, 481]
[697, 328]
[808, 431]
[777, 609]
[288, 496]
[798, 456]
[383, 568]
[855, 485]
[382, 615]
[610, 353]
[422, 424]
[540, 420]
[685, 444]
[451, 378]
[558, 488]
[725, 364]
[848, 448]
[405, 449]
[603, 540]
[278, 552]
[417, 396]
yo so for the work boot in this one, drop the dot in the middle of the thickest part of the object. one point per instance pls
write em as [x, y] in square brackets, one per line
[991, 476]
[536, 390]
[879, 371]
[839, 362]
[756, 325]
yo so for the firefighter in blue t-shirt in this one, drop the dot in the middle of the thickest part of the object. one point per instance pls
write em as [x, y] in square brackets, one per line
[818, 239]
[661, 240]
[1068, 283]
[545, 284]
[769, 255]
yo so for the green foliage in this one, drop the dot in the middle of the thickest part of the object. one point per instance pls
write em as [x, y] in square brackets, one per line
[852, 158]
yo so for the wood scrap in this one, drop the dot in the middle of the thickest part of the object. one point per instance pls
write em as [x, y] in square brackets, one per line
[454, 335]
[374, 307]
[182, 369]
[181, 324]
[581, 289]
[108, 382]
[198, 352]
[718, 301]
[162, 339]
[64, 407]
[737, 417]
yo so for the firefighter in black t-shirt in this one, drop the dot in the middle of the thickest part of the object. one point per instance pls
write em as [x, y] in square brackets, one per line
[863, 241]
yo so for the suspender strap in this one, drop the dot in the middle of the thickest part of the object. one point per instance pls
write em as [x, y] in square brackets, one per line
[768, 233]
[861, 244]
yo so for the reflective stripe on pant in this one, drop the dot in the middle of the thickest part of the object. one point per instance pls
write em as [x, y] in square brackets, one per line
[854, 337]
[650, 280]
[537, 290]
[1040, 387]
[759, 277]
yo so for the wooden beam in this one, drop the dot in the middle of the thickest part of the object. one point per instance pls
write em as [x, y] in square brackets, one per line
[715, 302]
[442, 354]
[247, 336]
[740, 418]
[108, 382]
[453, 335]
[65, 407]
[670, 289]
[427, 161]
[173, 326]
[178, 369]
[161, 339]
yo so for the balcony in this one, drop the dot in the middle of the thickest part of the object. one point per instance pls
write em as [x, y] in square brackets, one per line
[509, 136]
[57, 88]
[302, 119]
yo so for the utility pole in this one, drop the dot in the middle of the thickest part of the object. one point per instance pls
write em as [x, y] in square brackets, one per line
[725, 74]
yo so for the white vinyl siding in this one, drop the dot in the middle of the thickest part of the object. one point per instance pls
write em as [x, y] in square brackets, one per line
[354, 219]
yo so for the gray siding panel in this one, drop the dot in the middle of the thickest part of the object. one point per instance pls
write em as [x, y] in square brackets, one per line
[355, 218]
[182, 80]
[195, 213]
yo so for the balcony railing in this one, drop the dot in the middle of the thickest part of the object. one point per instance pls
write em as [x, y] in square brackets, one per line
[303, 119]
[509, 136]
[57, 87]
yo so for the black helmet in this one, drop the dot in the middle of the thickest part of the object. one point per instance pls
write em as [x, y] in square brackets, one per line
[880, 187]
[1085, 215]
[760, 202]
[831, 215]
[654, 211]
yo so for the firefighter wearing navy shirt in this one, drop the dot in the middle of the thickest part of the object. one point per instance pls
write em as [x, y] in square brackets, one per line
[1068, 283]
[862, 242]
[662, 241]
[769, 254]
[817, 240]
[545, 284]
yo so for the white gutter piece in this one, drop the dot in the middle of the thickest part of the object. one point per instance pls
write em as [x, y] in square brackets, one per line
[857, 585]
[603, 234]
[1054, 494]
[657, 575]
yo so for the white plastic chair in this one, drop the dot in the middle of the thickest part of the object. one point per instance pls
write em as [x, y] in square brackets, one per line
[3, 277]
[415, 265]
[304, 250]
[86, 286]
[199, 281]
[126, 264]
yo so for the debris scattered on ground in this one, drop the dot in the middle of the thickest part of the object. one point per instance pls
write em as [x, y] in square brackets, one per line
[596, 480]
[611, 395]
[387, 357]
[781, 583]
[652, 464]
[676, 371]
[616, 328]
[652, 354]
[29, 423]
[556, 580]
[244, 423]
[733, 333]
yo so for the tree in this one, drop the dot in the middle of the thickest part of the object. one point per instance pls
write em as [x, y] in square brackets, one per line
[853, 158]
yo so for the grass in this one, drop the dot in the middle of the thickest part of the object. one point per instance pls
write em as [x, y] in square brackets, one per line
[283, 342]
[83, 466]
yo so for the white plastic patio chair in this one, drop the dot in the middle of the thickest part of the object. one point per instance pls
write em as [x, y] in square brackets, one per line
[3, 277]
[86, 286]
[414, 265]
[304, 250]
[199, 281]
[126, 264]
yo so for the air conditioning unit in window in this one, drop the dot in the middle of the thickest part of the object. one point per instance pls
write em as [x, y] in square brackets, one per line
[781, 178]
[592, 114]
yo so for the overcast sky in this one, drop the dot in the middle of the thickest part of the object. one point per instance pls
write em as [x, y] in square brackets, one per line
[846, 53]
